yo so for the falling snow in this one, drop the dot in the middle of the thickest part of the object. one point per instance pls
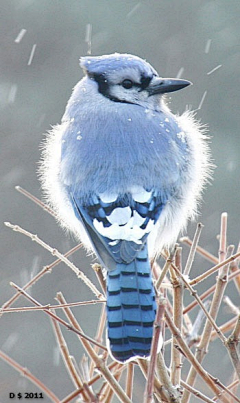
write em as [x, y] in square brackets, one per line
[31, 55]
[20, 35]
[208, 44]
[215, 69]
[202, 100]
[135, 8]
[88, 38]
[180, 72]
[12, 94]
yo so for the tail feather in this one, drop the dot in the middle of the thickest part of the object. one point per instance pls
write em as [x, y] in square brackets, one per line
[131, 308]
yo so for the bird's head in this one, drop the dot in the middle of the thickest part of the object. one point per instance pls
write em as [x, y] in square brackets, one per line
[129, 79]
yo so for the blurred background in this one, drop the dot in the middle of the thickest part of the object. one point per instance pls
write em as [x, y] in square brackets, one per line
[40, 46]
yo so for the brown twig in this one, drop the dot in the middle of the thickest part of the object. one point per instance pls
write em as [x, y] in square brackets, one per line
[46, 269]
[186, 350]
[208, 292]
[48, 306]
[195, 295]
[165, 269]
[223, 238]
[26, 373]
[66, 357]
[55, 252]
[196, 392]
[36, 200]
[214, 269]
[129, 380]
[99, 334]
[99, 273]
[234, 267]
[216, 301]
[158, 387]
[201, 251]
[117, 375]
[206, 335]
[47, 311]
[225, 389]
[99, 363]
[75, 393]
[154, 348]
[177, 284]
[232, 346]
[193, 249]
[226, 327]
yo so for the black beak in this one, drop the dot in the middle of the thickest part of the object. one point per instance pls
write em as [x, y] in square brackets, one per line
[162, 85]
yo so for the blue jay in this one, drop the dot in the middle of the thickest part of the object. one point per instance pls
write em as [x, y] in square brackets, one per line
[125, 174]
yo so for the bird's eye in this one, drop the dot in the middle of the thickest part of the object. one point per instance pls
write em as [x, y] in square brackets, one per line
[127, 84]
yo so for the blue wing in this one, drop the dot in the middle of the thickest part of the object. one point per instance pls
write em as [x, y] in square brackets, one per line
[118, 225]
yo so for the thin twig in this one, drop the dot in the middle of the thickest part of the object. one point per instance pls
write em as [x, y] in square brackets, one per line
[193, 249]
[41, 308]
[46, 269]
[206, 335]
[154, 348]
[205, 376]
[214, 269]
[99, 273]
[27, 374]
[193, 336]
[67, 325]
[232, 347]
[36, 200]
[201, 251]
[99, 336]
[60, 256]
[99, 363]
[223, 238]
[176, 363]
[98, 376]
[66, 355]
[195, 295]
[195, 392]
[207, 293]
[117, 375]
[165, 269]
[234, 309]
[216, 301]
[158, 387]
[129, 380]
[234, 266]
[226, 327]
[171, 392]
[225, 389]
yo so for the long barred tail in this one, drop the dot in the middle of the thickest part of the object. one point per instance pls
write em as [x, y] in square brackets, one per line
[131, 308]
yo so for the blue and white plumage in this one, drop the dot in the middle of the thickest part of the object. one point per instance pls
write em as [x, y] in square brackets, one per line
[124, 174]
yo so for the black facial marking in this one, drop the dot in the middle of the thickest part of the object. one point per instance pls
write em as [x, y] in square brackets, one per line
[145, 81]
[102, 82]
[103, 87]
